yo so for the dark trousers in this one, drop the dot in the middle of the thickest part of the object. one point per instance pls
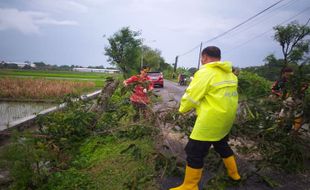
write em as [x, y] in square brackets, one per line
[140, 110]
[197, 150]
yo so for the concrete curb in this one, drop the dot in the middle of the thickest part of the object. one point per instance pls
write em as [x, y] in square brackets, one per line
[29, 119]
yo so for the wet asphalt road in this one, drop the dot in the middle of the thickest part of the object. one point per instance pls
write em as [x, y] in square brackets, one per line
[171, 91]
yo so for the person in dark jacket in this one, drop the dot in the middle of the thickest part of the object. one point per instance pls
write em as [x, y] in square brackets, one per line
[292, 102]
[279, 86]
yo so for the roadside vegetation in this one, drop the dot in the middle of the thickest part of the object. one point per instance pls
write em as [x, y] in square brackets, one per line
[79, 148]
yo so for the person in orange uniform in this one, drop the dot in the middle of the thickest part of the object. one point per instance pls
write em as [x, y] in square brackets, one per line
[142, 84]
[213, 94]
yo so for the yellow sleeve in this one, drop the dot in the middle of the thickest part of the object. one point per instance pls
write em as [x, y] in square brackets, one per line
[195, 92]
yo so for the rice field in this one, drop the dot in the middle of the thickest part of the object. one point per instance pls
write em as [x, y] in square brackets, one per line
[97, 78]
[28, 88]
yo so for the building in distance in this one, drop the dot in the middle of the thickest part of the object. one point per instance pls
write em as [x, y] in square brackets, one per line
[96, 70]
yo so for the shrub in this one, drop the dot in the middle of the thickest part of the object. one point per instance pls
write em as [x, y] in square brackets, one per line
[27, 159]
[307, 106]
[251, 85]
[69, 126]
[74, 150]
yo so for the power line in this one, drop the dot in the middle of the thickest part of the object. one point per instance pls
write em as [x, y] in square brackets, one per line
[264, 18]
[307, 22]
[262, 34]
[189, 51]
[242, 23]
[233, 28]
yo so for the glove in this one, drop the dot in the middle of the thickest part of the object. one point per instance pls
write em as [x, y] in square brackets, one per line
[145, 90]
[125, 83]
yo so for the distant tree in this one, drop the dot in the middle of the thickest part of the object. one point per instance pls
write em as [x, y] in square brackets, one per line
[292, 39]
[272, 68]
[27, 67]
[64, 67]
[182, 70]
[40, 65]
[165, 67]
[100, 67]
[52, 67]
[192, 70]
[124, 51]
[272, 61]
[11, 66]
[76, 66]
[152, 58]
[111, 68]
[96, 67]
[295, 49]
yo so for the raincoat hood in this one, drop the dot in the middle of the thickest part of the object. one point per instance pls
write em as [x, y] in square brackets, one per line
[226, 66]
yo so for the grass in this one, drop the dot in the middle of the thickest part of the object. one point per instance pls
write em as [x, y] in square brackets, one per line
[97, 78]
[109, 163]
[57, 74]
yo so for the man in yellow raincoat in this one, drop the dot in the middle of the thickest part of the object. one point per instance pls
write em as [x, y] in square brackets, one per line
[213, 94]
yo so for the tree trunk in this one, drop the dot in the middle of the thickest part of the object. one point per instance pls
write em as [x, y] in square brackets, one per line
[106, 93]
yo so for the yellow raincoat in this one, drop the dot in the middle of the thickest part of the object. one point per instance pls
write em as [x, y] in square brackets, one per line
[213, 93]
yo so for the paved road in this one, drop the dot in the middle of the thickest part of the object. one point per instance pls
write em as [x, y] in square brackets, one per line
[171, 95]
[171, 91]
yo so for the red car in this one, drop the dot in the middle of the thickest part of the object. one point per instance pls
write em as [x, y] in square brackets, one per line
[157, 78]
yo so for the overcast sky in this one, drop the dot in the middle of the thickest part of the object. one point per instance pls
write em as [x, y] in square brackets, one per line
[72, 31]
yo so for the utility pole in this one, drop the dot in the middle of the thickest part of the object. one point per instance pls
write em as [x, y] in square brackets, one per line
[175, 64]
[199, 56]
[141, 57]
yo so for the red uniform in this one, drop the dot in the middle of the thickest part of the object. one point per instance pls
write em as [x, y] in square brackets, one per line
[141, 83]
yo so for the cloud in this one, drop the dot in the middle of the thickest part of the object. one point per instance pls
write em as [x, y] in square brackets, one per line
[59, 5]
[49, 21]
[95, 2]
[28, 22]
[75, 6]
